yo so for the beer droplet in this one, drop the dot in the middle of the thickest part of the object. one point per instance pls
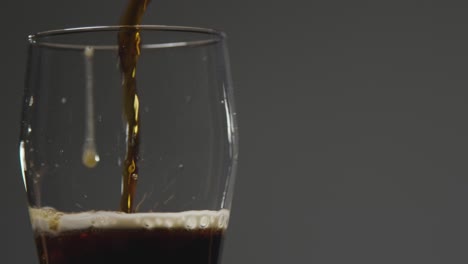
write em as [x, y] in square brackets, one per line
[90, 157]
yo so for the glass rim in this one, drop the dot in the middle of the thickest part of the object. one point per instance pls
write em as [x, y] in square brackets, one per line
[213, 36]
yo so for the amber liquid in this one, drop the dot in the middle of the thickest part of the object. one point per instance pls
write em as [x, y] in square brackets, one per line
[129, 51]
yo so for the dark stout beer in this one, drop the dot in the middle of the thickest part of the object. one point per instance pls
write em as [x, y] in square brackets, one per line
[128, 246]
[193, 237]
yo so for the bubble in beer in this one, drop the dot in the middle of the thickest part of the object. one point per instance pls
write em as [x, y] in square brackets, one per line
[222, 221]
[191, 223]
[101, 221]
[168, 223]
[135, 176]
[204, 222]
[147, 223]
[159, 221]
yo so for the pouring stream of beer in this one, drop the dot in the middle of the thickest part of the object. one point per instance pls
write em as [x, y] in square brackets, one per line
[129, 52]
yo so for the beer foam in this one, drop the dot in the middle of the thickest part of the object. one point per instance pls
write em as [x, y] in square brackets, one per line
[52, 221]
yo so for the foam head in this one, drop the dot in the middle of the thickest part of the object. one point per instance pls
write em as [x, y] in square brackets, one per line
[52, 221]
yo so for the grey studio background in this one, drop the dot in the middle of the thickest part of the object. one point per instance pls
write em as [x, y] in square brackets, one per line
[353, 117]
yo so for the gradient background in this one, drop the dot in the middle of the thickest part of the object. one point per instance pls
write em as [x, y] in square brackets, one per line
[354, 138]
